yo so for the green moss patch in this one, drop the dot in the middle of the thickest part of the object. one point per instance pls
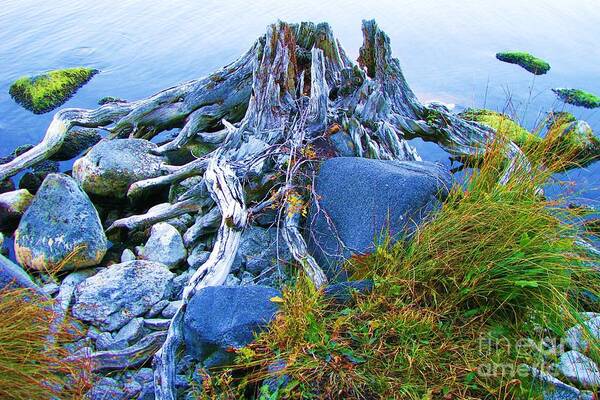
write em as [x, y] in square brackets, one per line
[578, 97]
[43, 93]
[532, 64]
[502, 123]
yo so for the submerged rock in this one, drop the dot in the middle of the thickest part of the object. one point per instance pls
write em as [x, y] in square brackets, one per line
[364, 198]
[165, 245]
[45, 92]
[111, 166]
[12, 206]
[121, 292]
[33, 179]
[223, 317]
[579, 369]
[61, 228]
[78, 140]
[535, 65]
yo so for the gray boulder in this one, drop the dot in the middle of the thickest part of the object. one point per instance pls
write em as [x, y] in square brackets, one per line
[261, 250]
[111, 166]
[12, 206]
[106, 341]
[364, 198]
[223, 317]
[579, 337]
[579, 369]
[121, 292]
[171, 308]
[554, 389]
[106, 388]
[131, 332]
[13, 275]
[165, 245]
[127, 255]
[61, 228]
[198, 256]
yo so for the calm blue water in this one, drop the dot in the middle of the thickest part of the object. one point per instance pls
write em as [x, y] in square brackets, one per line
[446, 49]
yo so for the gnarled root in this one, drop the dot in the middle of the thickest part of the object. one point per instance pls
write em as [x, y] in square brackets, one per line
[226, 190]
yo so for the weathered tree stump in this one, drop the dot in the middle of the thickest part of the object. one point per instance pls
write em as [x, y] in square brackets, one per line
[292, 89]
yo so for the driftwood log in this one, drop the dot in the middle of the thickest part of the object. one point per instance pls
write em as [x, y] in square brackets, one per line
[293, 88]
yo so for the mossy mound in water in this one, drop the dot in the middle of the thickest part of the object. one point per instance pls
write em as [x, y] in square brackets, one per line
[502, 123]
[565, 137]
[532, 64]
[578, 97]
[43, 93]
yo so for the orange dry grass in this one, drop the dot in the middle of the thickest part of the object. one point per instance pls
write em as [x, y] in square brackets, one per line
[31, 366]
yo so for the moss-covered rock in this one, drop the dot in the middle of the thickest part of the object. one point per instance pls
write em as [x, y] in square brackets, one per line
[502, 123]
[566, 135]
[578, 97]
[535, 65]
[45, 92]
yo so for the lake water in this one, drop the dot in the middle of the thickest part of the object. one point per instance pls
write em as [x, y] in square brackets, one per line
[446, 50]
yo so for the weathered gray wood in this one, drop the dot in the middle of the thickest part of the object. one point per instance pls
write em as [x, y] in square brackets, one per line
[156, 214]
[227, 192]
[130, 357]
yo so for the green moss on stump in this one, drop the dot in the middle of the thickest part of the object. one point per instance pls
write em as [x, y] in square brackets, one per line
[578, 97]
[535, 65]
[502, 123]
[43, 93]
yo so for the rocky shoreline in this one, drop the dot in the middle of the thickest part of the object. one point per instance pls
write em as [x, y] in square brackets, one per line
[172, 256]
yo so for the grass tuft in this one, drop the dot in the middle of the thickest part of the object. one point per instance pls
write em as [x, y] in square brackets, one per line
[43, 93]
[32, 367]
[496, 266]
[535, 65]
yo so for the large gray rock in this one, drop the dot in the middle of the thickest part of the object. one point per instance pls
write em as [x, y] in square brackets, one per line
[363, 198]
[223, 317]
[579, 337]
[111, 166]
[165, 245]
[12, 206]
[121, 292]
[579, 369]
[61, 228]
